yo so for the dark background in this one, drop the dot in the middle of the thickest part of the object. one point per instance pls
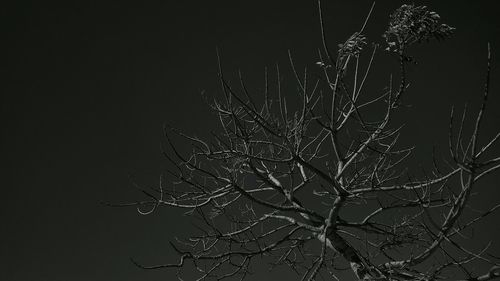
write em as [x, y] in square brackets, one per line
[87, 86]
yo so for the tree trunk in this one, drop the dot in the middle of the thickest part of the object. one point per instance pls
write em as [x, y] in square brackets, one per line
[359, 265]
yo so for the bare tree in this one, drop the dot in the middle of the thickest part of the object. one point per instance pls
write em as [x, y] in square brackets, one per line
[279, 176]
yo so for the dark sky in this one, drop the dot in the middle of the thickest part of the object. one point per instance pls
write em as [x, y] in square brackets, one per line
[87, 86]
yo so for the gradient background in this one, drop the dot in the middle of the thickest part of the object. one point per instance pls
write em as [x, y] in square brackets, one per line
[89, 84]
